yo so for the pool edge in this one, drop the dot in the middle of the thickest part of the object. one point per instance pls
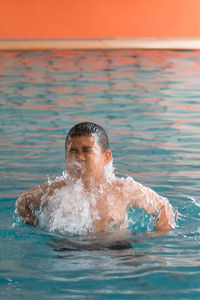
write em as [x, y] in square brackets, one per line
[97, 44]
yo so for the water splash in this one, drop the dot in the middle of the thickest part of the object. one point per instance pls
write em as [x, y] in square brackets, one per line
[109, 172]
[69, 208]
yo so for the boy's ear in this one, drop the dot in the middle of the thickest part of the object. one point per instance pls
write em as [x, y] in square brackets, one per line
[108, 157]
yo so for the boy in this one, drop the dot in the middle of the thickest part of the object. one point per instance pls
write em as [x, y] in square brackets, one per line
[88, 159]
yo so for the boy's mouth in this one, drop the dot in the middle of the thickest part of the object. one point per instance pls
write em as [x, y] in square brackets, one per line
[78, 166]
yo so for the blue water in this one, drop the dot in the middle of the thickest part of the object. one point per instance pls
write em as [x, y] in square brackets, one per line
[149, 103]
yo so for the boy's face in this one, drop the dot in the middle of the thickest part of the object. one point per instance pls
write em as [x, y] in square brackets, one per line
[84, 158]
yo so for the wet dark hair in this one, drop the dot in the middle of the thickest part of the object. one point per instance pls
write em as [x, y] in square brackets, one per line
[88, 129]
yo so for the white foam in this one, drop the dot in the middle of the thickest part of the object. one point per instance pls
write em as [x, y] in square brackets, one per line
[69, 208]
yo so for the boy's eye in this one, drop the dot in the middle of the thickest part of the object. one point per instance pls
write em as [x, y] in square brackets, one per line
[72, 150]
[86, 149]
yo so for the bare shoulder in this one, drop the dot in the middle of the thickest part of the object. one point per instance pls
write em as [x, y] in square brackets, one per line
[35, 194]
[126, 184]
[124, 187]
[30, 201]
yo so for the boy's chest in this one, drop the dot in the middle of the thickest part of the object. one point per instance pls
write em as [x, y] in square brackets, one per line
[110, 211]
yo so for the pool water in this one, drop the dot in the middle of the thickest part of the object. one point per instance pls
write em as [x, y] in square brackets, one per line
[149, 103]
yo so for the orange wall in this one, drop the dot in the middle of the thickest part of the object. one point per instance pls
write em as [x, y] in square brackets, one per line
[43, 19]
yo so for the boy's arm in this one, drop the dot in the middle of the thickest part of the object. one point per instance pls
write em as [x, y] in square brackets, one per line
[148, 200]
[29, 202]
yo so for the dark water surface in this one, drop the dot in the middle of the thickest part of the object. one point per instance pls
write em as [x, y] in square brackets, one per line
[149, 103]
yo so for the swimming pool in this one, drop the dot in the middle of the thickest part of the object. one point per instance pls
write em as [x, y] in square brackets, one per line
[148, 101]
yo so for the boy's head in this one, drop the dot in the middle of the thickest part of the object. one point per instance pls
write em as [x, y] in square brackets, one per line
[87, 152]
[89, 129]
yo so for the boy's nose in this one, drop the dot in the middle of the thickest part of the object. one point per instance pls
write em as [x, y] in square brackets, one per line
[81, 156]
